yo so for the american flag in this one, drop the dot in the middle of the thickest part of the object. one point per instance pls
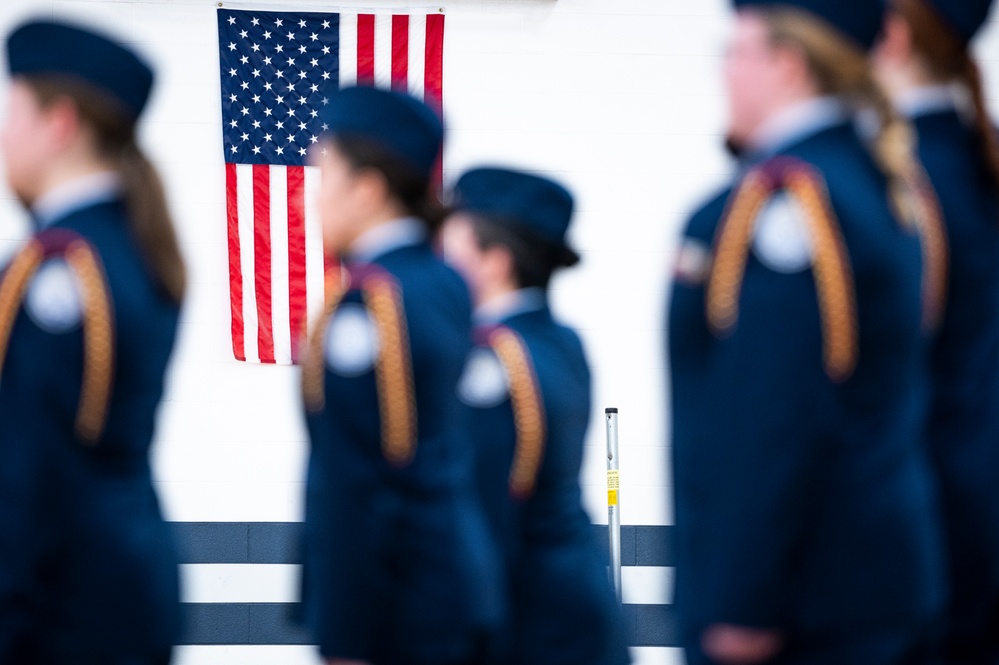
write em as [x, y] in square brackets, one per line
[277, 71]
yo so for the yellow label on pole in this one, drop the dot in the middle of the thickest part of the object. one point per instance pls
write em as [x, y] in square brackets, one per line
[613, 485]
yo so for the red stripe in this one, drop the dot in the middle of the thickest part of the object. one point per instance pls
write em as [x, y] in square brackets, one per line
[235, 274]
[433, 83]
[262, 260]
[434, 68]
[365, 49]
[400, 52]
[297, 299]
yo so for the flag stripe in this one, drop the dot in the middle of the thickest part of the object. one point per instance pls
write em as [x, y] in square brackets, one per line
[278, 251]
[262, 259]
[383, 51]
[235, 278]
[315, 260]
[244, 203]
[297, 270]
[400, 53]
[348, 50]
[417, 53]
[365, 49]
[434, 68]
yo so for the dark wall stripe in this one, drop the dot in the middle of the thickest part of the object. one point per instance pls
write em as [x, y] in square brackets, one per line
[271, 623]
[275, 542]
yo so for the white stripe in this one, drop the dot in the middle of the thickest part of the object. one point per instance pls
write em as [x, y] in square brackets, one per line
[244, 207]
[647, 656]
[417, 57]
[250, 655]
[314, 261]
[308, 655]
[280, 299]
[278, 583]
[383, 50]
[647, 585]
[239, 583]
[348, 50]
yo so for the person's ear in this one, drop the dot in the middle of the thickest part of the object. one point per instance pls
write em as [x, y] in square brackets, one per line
[497, 264]
[895, 43]
[791, 65]
[371, 189]
[62, 122]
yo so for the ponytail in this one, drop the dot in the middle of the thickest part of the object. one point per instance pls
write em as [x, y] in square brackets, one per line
[948, 58]
[150, 218]
[841, 68]
[148, 215]
[413, 191]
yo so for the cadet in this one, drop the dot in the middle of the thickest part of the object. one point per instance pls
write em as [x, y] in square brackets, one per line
[805, 517]
[528, 386]
[925, 62]
[398, 563]
[88, 315]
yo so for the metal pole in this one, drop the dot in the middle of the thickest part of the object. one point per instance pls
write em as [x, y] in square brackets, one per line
[613, 505]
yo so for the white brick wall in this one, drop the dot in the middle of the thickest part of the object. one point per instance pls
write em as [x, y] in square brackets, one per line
[620, 99]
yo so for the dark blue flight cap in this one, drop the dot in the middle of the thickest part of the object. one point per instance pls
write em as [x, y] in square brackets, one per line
[538, 205]
[964, 16]
[49, 47]
[398, 123]
[859, 20]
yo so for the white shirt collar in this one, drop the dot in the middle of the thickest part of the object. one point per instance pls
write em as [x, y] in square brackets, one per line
[798, 122]
[929, 99]
[384, 238]
[509, 304]
[74, 195]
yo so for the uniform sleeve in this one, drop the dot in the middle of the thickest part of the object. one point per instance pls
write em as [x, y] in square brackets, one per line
[748, 435]
[39, 392]
[20, 500]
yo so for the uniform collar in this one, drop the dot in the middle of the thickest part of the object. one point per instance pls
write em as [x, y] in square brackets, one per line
[928, 100]
[795, 124]
[60, 201]
[508, 305]
[384, 238]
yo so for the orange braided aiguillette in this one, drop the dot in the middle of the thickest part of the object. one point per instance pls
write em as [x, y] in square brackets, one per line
[393, 371]
[12, 288]
[833, 275]
[731, 252]
[98, 341]
[528, 410]
[313, 370]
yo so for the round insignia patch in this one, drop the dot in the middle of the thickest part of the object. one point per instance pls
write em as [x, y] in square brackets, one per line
[781, 240]
[484, 382]
[53, 300]
[351, 341]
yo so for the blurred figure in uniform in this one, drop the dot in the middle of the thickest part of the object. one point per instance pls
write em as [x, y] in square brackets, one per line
[399, 567]
[527, 384]
[806, 523]
[925, 62]
[88, 316]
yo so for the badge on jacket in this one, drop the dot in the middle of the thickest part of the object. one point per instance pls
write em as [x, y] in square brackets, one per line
[484, 382]
[781, 240]
[352, 342]
[53, 300]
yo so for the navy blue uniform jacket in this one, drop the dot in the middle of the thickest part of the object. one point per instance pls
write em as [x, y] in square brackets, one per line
[88, 572]
[964, 415]
[563, 608]
[398, 564]
[802, 503]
